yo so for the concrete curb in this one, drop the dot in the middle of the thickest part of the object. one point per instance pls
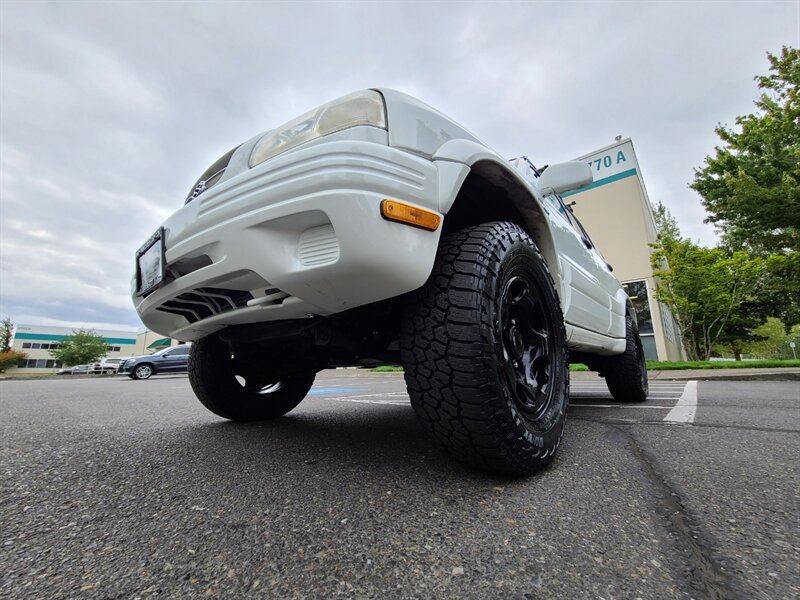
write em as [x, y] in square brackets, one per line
[788, 374]
[767, 374]
[53, 377]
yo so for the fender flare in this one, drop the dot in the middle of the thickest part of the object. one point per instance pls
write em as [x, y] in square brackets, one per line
[457, 158]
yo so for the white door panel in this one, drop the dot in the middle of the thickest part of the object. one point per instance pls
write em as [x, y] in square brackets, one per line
[586, 308]
[585, 297]
[587, 287]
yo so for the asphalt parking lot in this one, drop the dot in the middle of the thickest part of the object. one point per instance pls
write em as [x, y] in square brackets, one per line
[114, 488]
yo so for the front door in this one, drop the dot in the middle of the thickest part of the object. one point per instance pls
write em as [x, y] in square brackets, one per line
[586, 281]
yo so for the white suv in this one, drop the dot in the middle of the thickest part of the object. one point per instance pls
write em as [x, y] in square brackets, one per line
[375, 230]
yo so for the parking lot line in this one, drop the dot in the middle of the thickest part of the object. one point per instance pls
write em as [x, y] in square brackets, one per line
[608, 397]
[362, 400]
[686, 407]
[619, 405]
[334, 390]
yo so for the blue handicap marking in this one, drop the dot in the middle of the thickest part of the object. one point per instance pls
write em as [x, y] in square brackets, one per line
[334, 390]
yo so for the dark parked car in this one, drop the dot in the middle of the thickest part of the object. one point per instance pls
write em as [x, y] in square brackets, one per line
[168, 360]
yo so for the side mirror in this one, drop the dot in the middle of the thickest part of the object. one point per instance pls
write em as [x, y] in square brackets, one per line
[565, 177]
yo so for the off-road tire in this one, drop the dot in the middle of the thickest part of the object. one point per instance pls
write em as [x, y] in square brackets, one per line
[626, 374]
[452, 344]
[135, 374]
[213, 376]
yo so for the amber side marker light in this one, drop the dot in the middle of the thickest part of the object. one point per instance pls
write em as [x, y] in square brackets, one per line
[392, 210]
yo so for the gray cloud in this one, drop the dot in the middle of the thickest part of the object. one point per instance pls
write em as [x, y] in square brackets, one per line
[109, 111]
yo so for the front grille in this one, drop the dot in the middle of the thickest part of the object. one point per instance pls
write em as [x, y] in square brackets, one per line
[211, 176]
[203, 303]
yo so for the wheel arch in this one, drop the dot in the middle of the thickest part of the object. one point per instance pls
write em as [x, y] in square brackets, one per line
[491, 189]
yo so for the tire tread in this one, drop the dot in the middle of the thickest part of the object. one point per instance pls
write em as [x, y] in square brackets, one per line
[623, 372]
[448, 355]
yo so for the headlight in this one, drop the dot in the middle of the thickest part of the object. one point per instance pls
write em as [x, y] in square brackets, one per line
[360, 108]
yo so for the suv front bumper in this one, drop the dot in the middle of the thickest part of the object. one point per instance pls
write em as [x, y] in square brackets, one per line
[299, 235]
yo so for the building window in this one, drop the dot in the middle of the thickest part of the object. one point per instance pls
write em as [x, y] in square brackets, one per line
[39, 363]
[637, 292]
[39, 346]
[669, 323]
[649, 347]
[113, 348]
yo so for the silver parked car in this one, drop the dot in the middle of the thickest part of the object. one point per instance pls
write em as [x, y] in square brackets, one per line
[107, 365]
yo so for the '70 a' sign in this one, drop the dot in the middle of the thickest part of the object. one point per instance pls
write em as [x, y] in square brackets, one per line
[612, 161]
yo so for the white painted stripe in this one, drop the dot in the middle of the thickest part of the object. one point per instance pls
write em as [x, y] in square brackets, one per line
[670, 392]
[611, 398]
[601, 388]
[617, 406]
[686, 407]
[376, 395]
[602, 382]
[365, 401]
[605, 390]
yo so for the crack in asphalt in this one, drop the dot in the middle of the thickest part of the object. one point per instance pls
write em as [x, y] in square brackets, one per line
[706, 575]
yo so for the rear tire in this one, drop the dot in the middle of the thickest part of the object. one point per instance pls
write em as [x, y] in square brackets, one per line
[227, 393]
[626, 374]
[484, 351]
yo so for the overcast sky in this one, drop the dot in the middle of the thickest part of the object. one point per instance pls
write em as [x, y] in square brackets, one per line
[109, 111]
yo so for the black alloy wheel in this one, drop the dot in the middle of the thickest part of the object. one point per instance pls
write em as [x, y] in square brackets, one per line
[527, 348]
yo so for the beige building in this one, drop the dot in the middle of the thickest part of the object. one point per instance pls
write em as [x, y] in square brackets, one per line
[36, 341]
[148, 342]
[616, 212]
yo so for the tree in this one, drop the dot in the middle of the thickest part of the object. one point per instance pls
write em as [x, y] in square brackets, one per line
[666, 224]
[6, 333]
[10, 358]
[782, 291]
[774, 342]
[751, 186]
[83, 346]
[713, 294]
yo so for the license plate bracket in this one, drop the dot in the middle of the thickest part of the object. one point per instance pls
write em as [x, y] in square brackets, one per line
[151, 264]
